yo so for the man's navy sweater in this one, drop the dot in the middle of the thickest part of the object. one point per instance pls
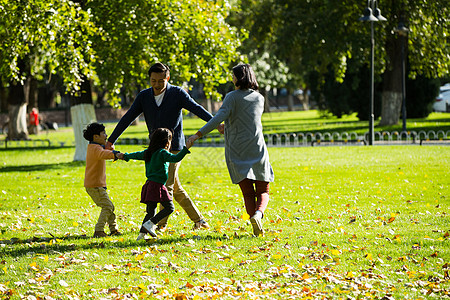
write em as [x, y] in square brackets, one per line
[167, 115]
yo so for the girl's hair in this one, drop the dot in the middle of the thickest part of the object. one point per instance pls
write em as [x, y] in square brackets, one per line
[159, 139]
[245, 77]
[91, 129]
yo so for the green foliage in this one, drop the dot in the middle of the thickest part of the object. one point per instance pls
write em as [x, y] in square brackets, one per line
[421, 93]
[114, 43]
[341, 222]
[308, 38]
[46, 37]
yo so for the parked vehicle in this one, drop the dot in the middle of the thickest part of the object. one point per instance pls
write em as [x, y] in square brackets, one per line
[442, 102]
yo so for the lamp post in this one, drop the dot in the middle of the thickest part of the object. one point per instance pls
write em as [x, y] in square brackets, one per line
[402, 32]
[372, 14]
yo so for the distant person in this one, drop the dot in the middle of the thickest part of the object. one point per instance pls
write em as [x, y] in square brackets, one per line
[95, 177]
[34, 121]
[162, 106]
[246, 153]
[157, 158]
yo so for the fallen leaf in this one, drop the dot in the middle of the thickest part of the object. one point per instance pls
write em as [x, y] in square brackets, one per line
[63, 283]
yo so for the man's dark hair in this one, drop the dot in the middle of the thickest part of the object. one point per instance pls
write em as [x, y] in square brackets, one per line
[159, 68]
[91, 129]
[245, 77]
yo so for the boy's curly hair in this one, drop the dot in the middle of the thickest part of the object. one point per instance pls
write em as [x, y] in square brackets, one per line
[91, 129]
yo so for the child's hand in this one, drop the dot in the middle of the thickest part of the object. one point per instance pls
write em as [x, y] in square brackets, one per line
[109, 145]
[191, 140]
[119, 155]
[221, 128]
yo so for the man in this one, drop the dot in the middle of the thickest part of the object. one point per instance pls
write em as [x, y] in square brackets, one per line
[162, 106]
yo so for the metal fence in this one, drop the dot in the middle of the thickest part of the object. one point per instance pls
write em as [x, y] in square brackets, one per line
[300, 139]
[303, 139]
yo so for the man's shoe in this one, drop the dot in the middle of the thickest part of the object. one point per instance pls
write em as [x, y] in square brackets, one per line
[99, 234]
[140, 236]
[115, 232]
[257, 225]
[202, 224]
[150, 227]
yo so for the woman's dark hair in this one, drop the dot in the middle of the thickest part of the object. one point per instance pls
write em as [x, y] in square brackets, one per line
[159, 68]
[159, 139]
[91, 129]
[245, 77]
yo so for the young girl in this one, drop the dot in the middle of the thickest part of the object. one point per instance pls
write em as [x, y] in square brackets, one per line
[157, 158]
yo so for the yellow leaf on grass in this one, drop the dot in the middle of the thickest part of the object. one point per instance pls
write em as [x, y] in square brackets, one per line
[350, 275]
[142, 286]
[75, 224]
[369, 256]
[47, 220]
[305, 276]
[335, 252]
[4, 269]
[219, 243]
[245, 216]
[140, 256]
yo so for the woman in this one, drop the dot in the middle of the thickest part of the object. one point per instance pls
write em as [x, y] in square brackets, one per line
[245, 149]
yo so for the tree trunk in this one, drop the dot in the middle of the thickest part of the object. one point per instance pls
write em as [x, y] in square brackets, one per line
[290, 101]
[17, 112]
[263, 92]
[392, 84]
[390, 107]
[17, 126]
[209, 105]
[82, 115]
[304, 99]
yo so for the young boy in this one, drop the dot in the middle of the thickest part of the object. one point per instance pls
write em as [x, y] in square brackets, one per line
[95, 177]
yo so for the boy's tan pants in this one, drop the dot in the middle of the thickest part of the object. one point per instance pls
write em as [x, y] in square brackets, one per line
[101, 198]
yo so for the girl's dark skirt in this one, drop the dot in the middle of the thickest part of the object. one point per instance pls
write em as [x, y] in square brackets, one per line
[154, 192]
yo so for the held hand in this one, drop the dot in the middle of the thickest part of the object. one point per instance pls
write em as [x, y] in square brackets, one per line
[221, 128]
[119, 155]
[109, 145]
[191, 140]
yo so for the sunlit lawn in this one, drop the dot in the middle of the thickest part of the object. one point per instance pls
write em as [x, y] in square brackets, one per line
[343, 223]
[275, 122]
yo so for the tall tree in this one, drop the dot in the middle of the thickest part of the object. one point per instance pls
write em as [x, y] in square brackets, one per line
[312, 36]
[45, 37]
[112, 43]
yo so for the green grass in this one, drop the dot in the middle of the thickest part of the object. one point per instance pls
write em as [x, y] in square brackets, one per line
[276, 122]
[343, 222]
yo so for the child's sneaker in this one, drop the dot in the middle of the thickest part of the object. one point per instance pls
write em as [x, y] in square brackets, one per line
[99, 234]
[140, 236]
[150, 227]
[202, 224]
[257, 225]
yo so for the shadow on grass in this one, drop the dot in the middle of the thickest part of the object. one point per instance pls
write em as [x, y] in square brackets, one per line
[42, 167]
[48, 245]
